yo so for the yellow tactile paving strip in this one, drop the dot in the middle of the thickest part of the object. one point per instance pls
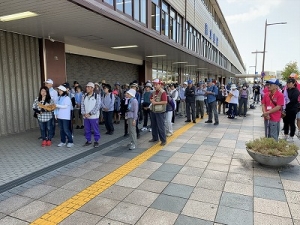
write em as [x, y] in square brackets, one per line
[68, 207]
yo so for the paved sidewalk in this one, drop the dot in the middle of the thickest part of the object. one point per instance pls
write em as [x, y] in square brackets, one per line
[204, 176]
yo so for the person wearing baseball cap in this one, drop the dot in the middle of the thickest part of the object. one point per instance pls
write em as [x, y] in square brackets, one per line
[291, 109]
[158, 101]
[63, 115]
[272, 104]
[90, 105]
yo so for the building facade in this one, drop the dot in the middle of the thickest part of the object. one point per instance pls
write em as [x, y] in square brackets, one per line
[114, 40]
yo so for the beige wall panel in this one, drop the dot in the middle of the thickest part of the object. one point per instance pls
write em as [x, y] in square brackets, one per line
[190, 12]
[20, 81]
[178, 5]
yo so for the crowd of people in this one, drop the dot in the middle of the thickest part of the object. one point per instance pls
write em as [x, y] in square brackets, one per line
[156, 105]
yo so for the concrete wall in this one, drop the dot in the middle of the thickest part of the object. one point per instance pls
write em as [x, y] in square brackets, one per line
[85, 68]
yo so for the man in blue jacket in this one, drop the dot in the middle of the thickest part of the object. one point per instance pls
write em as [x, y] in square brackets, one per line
[212, 93]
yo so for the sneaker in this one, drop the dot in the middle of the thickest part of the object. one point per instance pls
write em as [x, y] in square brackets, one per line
[87, 144]
[163, 143]
[70, 145]
[61, 144]
[44, 143]
[96, 144]
[169, 134]
[194, 121]
[152, 140]
[49, 143]
[290, 139]
[187, 121]
[216, 123]
[208, 121]
[125, 135]
[132, 147]
[144, 129]
[150, 130]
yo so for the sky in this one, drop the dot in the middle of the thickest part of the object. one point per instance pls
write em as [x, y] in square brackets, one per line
[246, 21]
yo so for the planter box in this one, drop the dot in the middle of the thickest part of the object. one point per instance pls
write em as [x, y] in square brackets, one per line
[268, 160]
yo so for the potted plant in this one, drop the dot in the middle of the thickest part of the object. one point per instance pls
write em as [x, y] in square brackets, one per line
[268, 151]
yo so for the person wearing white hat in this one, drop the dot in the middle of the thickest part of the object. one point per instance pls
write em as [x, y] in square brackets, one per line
[90, 105]
[131, 116]
[63, 114]
[234, 100]
[54, 96]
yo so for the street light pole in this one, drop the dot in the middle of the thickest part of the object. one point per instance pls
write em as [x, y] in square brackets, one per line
[256, 58]
[264, 51]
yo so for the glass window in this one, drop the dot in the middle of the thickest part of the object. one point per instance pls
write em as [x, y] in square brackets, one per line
[143, 11]
[111, 2]
[165, 19]
[119, 5]
[187, 35]
[173, 25]
[137, 10]
[128, 7]
[155, 15]
[179, 29]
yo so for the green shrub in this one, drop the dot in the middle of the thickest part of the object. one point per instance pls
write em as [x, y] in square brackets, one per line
[269, 146]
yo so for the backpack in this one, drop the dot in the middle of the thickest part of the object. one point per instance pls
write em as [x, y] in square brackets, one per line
[117, 104]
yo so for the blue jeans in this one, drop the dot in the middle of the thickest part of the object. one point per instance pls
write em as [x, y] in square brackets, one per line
[46, 130]
[64, 126]
[108, 117]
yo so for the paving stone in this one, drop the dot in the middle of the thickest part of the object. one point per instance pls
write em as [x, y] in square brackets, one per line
[295, 210]
[187, 150]
[291, 185]
[238, 188]
[77, 184]
[221, 160]
[90, 165]
[178, 190]
[107, 167]
[75, 172]
[81, 218]
[276, 208]
[169, 203]
[140, 197]
[240, 178]
[93, 175]
[206, 195]
[162, 176]
[265, 219]
[116, 192]
[187, 170]
[150, 165]
[2, 215]
[170, 168]
[99, 206]
[153, 186]
[12, 221]
[129, 181]
[293, 196]
[58, 196]
[106, 221]
[158, 158]
[296, 222]
[291, 173]
[186, 220]
[165, 153]
[13, 203]
[177, 161]
[237, 201]
[37, 191]
[196, 163]
[269, 193]
[141, 172]
[227, 215]
[185, 179]
[241, 170]
[268, 182]
[211, 184]
[127, 213]
[182, 155]
[32, 211]
[212, 174]
[208, 211]
[157, 217]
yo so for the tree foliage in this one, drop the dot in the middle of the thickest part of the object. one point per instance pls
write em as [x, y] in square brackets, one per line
[290, 68]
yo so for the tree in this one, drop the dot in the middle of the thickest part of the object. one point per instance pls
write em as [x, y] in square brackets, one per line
[290, 68]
